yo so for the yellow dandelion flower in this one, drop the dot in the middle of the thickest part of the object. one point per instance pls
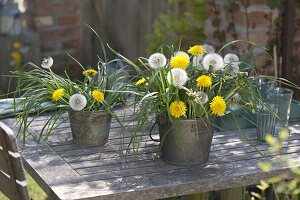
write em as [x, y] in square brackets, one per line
[177, 109]
[196, 50]
[17, 45]
[58, 94]
[98, 95]
[179, 61]
[16, 56]
[218, 106]
[89, 72]
[204, 81]
[140, 81]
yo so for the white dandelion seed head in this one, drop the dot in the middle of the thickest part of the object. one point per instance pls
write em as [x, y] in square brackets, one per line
[232, 63]
[182, 53]
[208, 48]
[157, 60]
[77, 102]
[178, 77]
[47, 63]
[197, 60]
[232, 69]
[201, 98]
[231, 58]
[213, 59]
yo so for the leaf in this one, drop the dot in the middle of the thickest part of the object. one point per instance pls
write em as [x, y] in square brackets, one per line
[293, 184]
[296, 191]
[280, 189]
[264, 166]
[296, 171]
[275, 179]
[283, 135]
[270, 139]
[274, 3]
[148, 95]
[264, 184]
[256, 195]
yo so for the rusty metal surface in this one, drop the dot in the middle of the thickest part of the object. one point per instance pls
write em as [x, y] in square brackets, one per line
[90, 127]
[187, 142]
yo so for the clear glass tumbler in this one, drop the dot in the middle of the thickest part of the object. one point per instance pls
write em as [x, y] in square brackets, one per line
[281, 98]
[265, 123]
[263, 86]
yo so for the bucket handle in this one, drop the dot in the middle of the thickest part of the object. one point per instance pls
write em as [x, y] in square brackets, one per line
[150, 132]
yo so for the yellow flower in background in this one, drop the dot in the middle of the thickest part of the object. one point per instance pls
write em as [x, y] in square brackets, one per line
[179, 61]
[17, 45]
[98, 95]
[218, 106]
[196, 50]
[89, 72]
[16, 56]
[204, 81]
[177, 109]
[58, 94]
[140, 81]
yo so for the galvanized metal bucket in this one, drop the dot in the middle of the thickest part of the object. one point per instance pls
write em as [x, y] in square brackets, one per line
[90, 127]
[185, 142]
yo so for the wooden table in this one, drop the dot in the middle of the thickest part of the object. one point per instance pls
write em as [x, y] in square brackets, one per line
[68, 171]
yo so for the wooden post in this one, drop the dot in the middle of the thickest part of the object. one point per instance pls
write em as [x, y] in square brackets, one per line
[288, 37]
[232, 194]
[199, 196]
[121, 23]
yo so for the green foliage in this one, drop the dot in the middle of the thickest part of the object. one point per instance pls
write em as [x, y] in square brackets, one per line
[284, 187]
[38, 87]
[274, 3]
[158, 91]
[187, 24]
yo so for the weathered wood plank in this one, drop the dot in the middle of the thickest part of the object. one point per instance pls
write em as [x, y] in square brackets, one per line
[12, 175]
[232, 194]
[42, 163]
[107, 173]
[199, 196]
[6, 188]
[186, 181]
[116, 165]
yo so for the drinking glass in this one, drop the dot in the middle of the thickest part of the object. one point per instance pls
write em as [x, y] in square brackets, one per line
[263, 86]
[281, 98]
[265, 123]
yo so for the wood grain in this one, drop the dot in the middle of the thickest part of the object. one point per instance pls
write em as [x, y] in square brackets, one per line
[69, 171]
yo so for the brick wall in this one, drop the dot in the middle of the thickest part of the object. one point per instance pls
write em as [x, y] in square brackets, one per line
[296, 53]
[252, 20]
[57, 24]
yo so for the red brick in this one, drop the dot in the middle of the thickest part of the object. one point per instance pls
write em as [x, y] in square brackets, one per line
[261, 38]
[46, 34]
[70, 44]
[67, 20]
[55, 8]
[213, 8]
[251, 2]
[254, 18]
[50, 46]
[42, 21]
[69, 32]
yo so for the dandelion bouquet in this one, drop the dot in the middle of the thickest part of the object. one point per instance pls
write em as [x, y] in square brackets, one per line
[199, 83]
[44, 91]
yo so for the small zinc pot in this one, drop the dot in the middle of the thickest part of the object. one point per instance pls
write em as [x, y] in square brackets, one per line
[90, 127]
[186, 141]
